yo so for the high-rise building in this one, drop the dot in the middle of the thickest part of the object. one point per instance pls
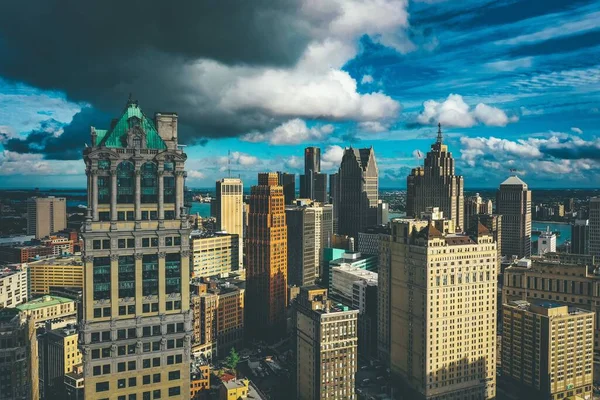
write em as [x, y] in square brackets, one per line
[342, 279]
[475, 206]
[547, 350]
[384, 293]
[326, 347]
[436, 185]
[368, 239]
[214, 253]
[348, 258]
[309, 224]
[493, 222]
[313, 184]
[266, 253]
[383, 216]
[571, 279]
[46, 215]
[580, 236]
[59, 355]
[513, 202]
[364, 299]
[288, 182]
[136, 319]
[334, 197]
[443, 311]
[229, 209]
[18, 356]
[359, 191]
[594, 217]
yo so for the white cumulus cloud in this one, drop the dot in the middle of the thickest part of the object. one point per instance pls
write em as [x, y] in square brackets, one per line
[455, 112]
[576, 130]
[294, 131]
[366, 79]
[331, 158]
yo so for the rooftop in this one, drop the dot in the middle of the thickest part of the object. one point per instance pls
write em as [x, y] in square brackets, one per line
[514, 181]
[70, 260]
[44, 301]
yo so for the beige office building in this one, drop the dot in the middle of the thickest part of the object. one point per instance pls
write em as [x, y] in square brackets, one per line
[136, 322]
[46, 215]
[436, 185]
[47, 307]
[55, 272]
[547, 350]
[594, 218]
[326, 347]
[229, 209]
[214, 254]
[310, 225]
[13, 287]
[513, 202]
[572, 279]
[443, 311]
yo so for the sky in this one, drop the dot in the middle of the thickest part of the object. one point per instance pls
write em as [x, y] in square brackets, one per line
[515, 85]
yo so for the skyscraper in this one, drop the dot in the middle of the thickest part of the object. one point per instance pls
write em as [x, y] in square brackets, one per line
[288, 181]
[266, 270]
[513, 202]
[548, 349]
[358, 179]
[136, 321]
[334, 196]
[326, 347]
[475, 206]
[443, 337]
[313, 184]
[229, 208]
[46, 215]
[580, 236]
[594, 217]
[436, 185]
[310, 225]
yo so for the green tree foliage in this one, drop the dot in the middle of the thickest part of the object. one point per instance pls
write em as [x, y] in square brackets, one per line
[232, 359]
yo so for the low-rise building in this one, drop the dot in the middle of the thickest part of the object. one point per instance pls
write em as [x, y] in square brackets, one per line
[199, 378]
[13, 287]
[47, 308]
[74, 383]
[214, 253]
[547, 349]
[218, 308]
[354, 259]
[235, 389]
[64, 272]
[343, 278]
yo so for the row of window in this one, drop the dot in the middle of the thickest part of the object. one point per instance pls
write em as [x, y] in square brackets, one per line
[104, 244]
[104, 165]
[129, 215]
[103, 312]
[156, 394]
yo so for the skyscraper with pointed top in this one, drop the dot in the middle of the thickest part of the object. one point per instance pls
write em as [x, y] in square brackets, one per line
[358, 188]
[436, 185]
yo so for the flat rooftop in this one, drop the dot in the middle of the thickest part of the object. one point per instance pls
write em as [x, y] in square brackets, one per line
[44, 301]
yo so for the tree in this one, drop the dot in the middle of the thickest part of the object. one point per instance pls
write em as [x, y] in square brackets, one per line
[232, 359]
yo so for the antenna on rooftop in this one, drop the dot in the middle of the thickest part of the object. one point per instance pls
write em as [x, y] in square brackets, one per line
[229, 163]
[439, 133]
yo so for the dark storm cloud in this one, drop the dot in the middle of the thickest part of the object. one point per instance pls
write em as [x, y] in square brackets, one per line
[66, 146]
[100, 51]
[573, 150]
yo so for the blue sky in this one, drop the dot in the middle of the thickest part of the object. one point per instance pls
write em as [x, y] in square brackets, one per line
[514, 84]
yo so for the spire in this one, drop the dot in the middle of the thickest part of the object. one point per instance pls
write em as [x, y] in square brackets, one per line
[439, 135]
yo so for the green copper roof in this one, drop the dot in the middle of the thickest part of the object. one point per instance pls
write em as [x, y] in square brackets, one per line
[100, 133]
[44, 301]
[117, 136]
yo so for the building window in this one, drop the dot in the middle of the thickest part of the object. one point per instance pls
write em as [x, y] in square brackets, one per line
[126, 276]
[150, 274]
[149, 183]
[102, 386]
[103, 183]
[174, 391]
[173, 375]
[101, 278]
[169, 189]
[125, 183]
[173, 273]
[104, 165]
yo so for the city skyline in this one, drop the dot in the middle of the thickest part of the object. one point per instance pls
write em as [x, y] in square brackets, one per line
[513, 85]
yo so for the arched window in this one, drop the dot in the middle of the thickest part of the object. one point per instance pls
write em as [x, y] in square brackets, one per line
[125, 183]
[149, 183]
